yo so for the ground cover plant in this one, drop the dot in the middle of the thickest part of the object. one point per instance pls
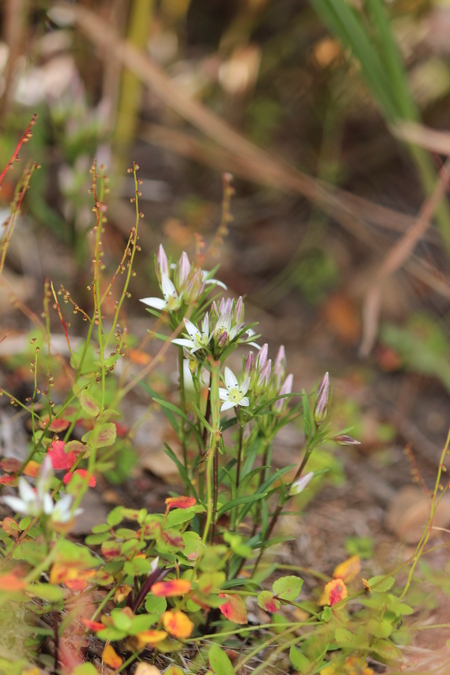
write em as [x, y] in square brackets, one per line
[178, 591]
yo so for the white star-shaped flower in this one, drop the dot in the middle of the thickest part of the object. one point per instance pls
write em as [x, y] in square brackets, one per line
[235, 393]
[171, 301]
[198, 340]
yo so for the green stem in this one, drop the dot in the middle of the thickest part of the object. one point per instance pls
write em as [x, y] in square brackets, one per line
[182, 405]
[211, 501]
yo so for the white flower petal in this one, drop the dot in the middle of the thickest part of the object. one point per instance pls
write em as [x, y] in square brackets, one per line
[244, 386]
[205, 324]
[167, 287]
[27, 493]
[47, 504]
[230, 379]
[156, 303]
[244, 401]
[16, 504]
[226, 406]
[191, 329]
[184, 342]
[223, 394]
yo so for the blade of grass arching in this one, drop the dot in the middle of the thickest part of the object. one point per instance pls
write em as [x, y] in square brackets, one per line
[343, 22]
[390, 56]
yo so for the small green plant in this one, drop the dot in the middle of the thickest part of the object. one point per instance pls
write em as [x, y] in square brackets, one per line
[172, 589]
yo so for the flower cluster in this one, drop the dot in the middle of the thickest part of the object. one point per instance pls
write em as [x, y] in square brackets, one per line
[180, 283]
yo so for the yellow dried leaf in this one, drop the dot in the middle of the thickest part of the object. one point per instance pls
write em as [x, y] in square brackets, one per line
[348, 569]
[111, 658]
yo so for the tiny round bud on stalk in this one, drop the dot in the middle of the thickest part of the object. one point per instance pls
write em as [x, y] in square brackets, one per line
[321, 408]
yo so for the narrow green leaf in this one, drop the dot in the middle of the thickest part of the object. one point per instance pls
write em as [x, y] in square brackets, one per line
[219, 661]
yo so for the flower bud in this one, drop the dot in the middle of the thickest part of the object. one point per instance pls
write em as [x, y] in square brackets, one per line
[239, 310]
[300, 484]
[248, 367]
[343, 439]
[321, 409]
[193, 287]
[285, 389]
[279, 367]
[162, 265]
[223, 339]
[182, 271]
[262, 357]
[264, 374]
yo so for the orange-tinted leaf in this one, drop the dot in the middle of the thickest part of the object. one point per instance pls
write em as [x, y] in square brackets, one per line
[93, 625]
[335, 591]
[150, 637]
[11, 527]
[234, 608]
[10, 582]
[139, 357]
[76, 446]
[58, 425]
[177, 624]
[180, 502]
[110, 657]
[366, 584]
[60, 460]
[348, 569]
[173, 587]
[31, 468]
[173, 670]
[122, 592]
[10, 464]
[83, 473]
[76, 584]
[147, 669]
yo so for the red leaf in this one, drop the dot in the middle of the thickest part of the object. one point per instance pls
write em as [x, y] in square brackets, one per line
[234, 609]
[10, 464]
[60, 460]
[169, 588]
[180, 502]
[11, 527]
[335, 591]
[59, 425]
[83, 473]
[8, 480]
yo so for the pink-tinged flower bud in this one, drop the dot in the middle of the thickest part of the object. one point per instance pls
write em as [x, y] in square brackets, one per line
[321, 409]
[279, 367]
[193, 287]
[262, 357]
[239, 310]
[343, 439]
[301, 483]
[285, 389]
[162, 265]
[182, 271]
[264, 374]
[225, 308]
[248, 367]
[223, 339]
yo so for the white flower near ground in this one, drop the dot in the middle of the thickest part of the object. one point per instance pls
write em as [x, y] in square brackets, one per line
[37, 502]
[171, 301]
[198, 339]
[235, 393]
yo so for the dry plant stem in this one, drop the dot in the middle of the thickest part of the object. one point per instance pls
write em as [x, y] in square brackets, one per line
[397, 257]
[55, 614]
[434, 504]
